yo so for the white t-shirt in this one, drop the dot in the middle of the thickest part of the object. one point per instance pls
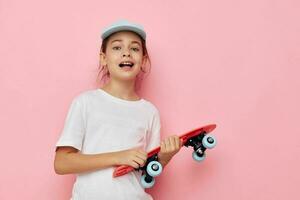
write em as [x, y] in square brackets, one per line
[98, 122]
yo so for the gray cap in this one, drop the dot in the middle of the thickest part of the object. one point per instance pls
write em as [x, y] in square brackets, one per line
[123, 25]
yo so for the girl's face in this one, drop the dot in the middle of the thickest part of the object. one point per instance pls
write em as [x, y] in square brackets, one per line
[124, 55]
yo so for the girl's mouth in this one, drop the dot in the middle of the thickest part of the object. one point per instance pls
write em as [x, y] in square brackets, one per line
[126, 64]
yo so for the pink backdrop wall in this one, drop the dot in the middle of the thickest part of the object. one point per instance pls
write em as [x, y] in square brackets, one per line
[234, 63]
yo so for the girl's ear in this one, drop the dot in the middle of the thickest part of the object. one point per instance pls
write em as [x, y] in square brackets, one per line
[144, 60]
[102, 58]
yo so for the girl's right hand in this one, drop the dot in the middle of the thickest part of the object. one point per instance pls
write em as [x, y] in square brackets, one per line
[133, 157]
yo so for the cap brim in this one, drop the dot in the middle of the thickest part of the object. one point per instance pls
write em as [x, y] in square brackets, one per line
[115, 29]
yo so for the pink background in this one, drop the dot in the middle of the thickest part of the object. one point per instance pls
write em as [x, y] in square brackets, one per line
[233, 63]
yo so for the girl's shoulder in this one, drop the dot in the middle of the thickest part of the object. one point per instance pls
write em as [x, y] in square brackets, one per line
[151, 106]
[83, 96]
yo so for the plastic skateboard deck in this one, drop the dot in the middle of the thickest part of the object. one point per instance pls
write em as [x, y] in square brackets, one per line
[195, 138]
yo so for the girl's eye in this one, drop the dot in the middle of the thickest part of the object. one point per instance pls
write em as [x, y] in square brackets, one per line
[116, 48]
[135, 49]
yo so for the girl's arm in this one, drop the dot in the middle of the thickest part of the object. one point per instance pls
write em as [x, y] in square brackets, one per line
[168, 148]
[69, 160]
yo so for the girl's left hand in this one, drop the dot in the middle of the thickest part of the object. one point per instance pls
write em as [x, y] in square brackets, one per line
[170, 146]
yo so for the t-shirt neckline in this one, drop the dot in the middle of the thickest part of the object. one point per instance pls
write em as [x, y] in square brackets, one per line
[117, 99]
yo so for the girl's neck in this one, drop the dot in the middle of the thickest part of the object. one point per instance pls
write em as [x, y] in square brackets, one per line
[123, 90]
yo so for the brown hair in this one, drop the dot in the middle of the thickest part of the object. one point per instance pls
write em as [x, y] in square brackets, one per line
[104, 75]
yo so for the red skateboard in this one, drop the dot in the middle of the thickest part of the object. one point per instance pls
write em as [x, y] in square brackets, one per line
[197, 138]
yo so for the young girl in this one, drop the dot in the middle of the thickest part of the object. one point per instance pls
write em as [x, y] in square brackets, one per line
[110, 126]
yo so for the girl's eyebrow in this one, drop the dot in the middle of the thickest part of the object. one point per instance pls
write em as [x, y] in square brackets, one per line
[122, 40]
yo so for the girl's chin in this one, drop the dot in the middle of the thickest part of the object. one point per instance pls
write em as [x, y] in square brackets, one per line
[125, 75]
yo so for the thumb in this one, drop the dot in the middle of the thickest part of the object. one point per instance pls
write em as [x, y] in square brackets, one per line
[181, 142]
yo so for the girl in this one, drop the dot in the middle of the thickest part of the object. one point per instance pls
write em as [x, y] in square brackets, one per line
[112, 125]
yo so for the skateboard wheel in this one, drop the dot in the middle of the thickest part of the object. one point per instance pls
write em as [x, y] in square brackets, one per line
[147, 183]
[198, 158]
[154, 168]
[209, 141]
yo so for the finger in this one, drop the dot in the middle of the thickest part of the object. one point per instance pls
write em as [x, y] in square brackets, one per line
[177, 142]
[167, 142]
[143, 153]
[171, 144]
[135, 164]
[181, 142]
[142, 156]
[140, 161]
[162, 146]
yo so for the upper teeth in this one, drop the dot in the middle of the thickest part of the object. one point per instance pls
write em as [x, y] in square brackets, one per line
[126, 63]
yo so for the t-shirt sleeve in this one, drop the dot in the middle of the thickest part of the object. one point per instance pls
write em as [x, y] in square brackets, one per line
[153, 137]
[74, 128]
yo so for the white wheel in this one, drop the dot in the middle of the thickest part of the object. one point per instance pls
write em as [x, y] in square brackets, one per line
[154, 168]
[198, 158]
[147, 183]
[209, 141]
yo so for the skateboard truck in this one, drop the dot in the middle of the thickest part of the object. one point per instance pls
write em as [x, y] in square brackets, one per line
[200, 143]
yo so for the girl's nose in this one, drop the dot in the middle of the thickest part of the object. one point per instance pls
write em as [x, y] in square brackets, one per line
[126, 54]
